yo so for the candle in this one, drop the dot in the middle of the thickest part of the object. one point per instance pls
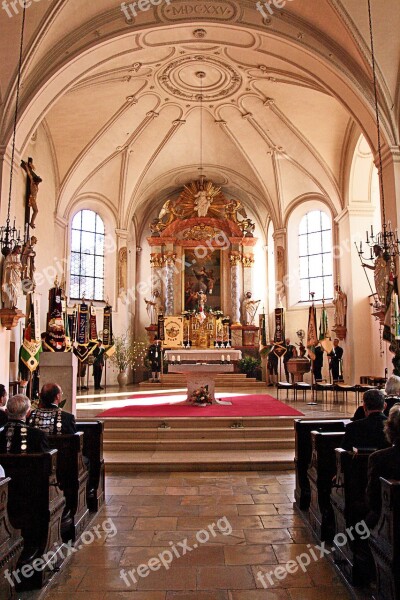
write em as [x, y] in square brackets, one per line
[367, 237]
[229, 358]
[372, 232]
[361, 247]
[223, 357]
[179, 358]
[173, 358]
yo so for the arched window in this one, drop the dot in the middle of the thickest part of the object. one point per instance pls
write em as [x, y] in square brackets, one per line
[315, 256]
[87, 256]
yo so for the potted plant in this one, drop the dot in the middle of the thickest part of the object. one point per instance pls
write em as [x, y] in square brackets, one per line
[128, 353]
[249, 365]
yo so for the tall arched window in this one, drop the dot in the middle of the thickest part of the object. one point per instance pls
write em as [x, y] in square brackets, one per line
[315, 256]
[87, 256]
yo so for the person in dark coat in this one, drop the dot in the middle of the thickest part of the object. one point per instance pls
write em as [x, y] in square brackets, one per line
[335, 365]
[383, 463]
[49, 417]
[98, 365]
[154, 355]
[392, 390]
[17, 437]
[318, 362]
[290, 353]
[3, 402]
[272, 367]
[368, 432]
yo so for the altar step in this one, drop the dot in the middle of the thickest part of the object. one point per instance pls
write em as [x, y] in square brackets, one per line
[223, 381]
[134, 444]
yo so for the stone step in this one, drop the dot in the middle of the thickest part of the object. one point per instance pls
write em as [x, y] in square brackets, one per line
[211, 460]
[156, 423]
[216, 433]
[189, 445]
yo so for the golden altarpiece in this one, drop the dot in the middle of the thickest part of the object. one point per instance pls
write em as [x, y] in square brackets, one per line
[202, 260]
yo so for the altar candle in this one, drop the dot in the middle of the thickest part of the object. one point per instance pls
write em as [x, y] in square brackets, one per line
[173, 358]
[229, 358]
[223, 357]
[179, 358]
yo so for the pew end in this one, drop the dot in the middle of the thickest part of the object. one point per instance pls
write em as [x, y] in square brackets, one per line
[93, 448]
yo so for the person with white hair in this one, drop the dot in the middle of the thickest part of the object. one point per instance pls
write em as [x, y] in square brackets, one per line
[17, 437]
[392, 391]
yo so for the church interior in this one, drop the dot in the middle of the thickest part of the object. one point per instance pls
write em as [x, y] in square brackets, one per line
[199, 245]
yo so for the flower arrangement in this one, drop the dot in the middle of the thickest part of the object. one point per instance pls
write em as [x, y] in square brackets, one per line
[201, 396]
[128, 352]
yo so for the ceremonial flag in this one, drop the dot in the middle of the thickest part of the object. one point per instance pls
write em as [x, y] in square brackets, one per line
[92, 324]
[312, 337]
[173, 332]
[324, 334]
[107, 327]
[32, 345]
[84, 347]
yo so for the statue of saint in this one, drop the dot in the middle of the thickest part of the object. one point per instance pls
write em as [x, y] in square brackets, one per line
[34, 181]
[249, 307]
[202, 202]
[383, 274]
[154, 307]
[340, 304]
[28, 265]
[12, 271]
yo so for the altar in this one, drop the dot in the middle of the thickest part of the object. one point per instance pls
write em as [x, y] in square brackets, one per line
[201, 367]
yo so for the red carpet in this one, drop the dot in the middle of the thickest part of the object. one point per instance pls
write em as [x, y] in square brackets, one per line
[255, 405]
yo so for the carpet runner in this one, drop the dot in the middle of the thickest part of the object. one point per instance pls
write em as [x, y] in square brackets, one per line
[253, 405]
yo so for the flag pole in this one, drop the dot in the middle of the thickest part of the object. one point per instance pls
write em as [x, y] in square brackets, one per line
[312, 403]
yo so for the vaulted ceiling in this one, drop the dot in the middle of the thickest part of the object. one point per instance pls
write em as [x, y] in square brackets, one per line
[125, 103]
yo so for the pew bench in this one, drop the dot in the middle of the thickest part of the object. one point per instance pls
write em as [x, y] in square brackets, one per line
[348, 501]
[35, 506]
[385, 543]
[11, 544]
[320, 474]
[303, 428]
[93, 450]
[72, 477]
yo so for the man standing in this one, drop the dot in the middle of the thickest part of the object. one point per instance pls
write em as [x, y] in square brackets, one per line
[318, 362]
[335, 365]
[290, 353]
[154, 356]
[98, 365]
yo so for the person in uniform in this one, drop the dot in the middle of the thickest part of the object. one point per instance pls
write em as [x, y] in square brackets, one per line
[318, 362]
[154, 355]
[290, 353]
[272, 367]
[17, 437]
[49, 417]
[336, 361]
[98, 365]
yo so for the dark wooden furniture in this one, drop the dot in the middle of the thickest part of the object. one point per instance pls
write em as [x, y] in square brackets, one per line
[72, 477]
[35, 506]
[320, 474]
[303, 428]
[93, 450]
[11, 543]
[385, 543]
[352, 554]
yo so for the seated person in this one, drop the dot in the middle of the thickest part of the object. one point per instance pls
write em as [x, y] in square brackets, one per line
[16, 437]
[383, 463]
[3, 402]
[48, 416]
[392, 390]
[368, 432]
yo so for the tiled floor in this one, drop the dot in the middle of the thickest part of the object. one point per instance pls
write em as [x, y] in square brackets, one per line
[153, 515]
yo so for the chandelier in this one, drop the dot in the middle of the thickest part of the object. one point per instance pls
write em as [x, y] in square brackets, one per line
[10, 236]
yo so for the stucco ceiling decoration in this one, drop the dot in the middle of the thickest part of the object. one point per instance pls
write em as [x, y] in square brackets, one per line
[180, 78]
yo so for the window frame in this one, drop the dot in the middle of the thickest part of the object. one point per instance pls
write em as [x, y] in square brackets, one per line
[96, 254]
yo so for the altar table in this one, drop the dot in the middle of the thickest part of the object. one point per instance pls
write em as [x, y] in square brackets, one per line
[201, 375]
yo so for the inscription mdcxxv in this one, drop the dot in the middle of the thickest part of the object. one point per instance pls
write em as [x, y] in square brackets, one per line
[215, 10]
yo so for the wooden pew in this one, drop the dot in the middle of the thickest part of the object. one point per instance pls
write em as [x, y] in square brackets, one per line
[320, 474]
[72, 477]
[348, 501]
[93, 450]
[11, 543]
[385, 543]
[35, 506]
[303, 428]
